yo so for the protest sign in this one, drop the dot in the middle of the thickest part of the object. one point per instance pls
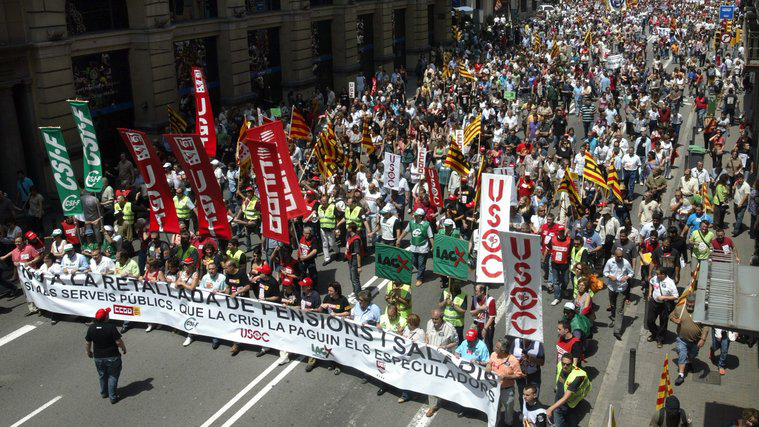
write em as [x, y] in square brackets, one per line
[393, 263]
[451, 257]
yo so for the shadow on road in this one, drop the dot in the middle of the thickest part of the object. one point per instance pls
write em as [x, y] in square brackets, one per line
[136, 387]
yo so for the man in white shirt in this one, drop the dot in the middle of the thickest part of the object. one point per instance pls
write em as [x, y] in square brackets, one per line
[689, 184]
[100, 264]
[630, 164]
[701, 174]
[741, 193]
[662, 295]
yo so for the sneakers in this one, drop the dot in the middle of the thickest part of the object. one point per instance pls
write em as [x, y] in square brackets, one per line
[680, 379]
[261, 352]
[337, 371]
[283, 361]
[216, 345]
[418, 283]
[555, 301]
[431, 411]
[149, 328]
[187, 341]
[310, 367]
[235, 349]
[402, 399]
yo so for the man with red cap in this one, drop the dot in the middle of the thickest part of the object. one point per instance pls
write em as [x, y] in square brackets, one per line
[103, 344]
[309, 301]
[472, 350]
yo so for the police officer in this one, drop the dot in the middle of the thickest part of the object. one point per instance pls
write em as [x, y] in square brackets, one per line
[103, 344]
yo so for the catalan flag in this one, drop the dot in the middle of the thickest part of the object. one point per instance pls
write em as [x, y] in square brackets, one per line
[613, 181]
[705, 200]
[588, 40]
[537, 42]
[567, 185]
[665, 387]
[366, 137]
[473, 130]
[177, 122]
[446, 73]
[456, 160]
[555, 49]
[242, 153]
[298, 127]
[465, 73]
[592, 172]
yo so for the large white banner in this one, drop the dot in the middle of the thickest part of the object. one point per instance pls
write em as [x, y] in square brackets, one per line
[495, 204]
[381, 354]
[522, 275]
[615, 61]
[392, 170]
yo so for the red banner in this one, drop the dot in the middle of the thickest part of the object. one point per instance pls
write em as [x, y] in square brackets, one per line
[163, 215]
[266, 167]
[204, 125]
[295, 205]
[212, 212]
[436, 196]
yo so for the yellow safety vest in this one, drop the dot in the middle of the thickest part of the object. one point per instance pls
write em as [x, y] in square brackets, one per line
[352, 217]
[327, 217]
[128, 215]
[450, 315]
[576, 256]
[581, 392]
[251, 211]
[235, 256]
[183, 212]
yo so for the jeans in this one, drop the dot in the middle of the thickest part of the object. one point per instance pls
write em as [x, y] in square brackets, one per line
[686, 351]
[561, 275]
[506, 407]
[630, 178]
[700, 115]
[586, 127]
[722, 345]
[739, 212]
[561, 416]
[617, 302]
[355, 275]
[109, 369]
[420, 263]
[329, 246]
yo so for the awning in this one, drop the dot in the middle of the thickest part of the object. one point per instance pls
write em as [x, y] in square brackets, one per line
[464, 9]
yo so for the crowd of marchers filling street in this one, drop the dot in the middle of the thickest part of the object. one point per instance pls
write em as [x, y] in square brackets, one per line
[587, 108]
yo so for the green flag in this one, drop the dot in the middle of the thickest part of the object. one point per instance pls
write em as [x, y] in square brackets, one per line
[393, 263]
[68, 189]
[276, 113]
[93, 171]
[451, 257]
[510, 95]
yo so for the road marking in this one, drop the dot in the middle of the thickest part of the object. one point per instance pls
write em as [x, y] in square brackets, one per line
[267, 388]
[241, 394]
[15, 334]
[36, 411]
[352, 296]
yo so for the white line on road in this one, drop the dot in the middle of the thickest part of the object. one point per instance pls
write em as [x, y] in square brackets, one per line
[36, 411]
[15, 334]
[267, 388]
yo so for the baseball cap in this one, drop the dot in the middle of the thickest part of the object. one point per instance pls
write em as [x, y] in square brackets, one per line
[561, 228]
[287, 281]
[167, 165]
[264, 269]
[569, 306]
[30, 235]
[307, 282]
[471, 335]
[68, 247]
[310, 192]
[448, 222]
[57, 232]
[470, 205]
[188, 261]
[102, 314]
[386, 209]
[108, 228]
[419, 211]
[214, 162]
[248, 188]
[464, 179]
[606, 210]
[452, 197]
[527, 173]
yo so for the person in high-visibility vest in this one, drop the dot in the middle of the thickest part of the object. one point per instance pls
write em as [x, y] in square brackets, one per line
[237, 255]
[125, 215]
[249, 215]
[355, 214]
[327, 222]
[454, 305]
[572, 385]
[184, 206]
[399, 295]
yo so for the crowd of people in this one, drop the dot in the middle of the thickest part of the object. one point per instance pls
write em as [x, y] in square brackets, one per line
[527, 80]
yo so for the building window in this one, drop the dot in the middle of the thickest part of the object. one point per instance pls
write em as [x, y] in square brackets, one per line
[83, 16]
[191, 10]
[261, 6]
[365, 44]
[431, 24]
[399, 38]
[321, 52]
[196, 53]
[265, 65]
[316, 3]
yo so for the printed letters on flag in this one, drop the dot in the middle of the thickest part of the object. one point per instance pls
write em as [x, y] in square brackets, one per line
[436, 195]
[421, 158]
[204, 124]
[592, 172]
[393, 263]
[177, 122]
[522, 276]
[295, 205]
[93, 170]
[495, 209]
[267, 169]
[65, 181]
[211, 210]
[456, 160]
[451, 257]
[473, 130]
[163, 214]
[392, 170]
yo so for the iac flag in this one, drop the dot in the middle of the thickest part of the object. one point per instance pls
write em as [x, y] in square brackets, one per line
[65, 181]
[163, 214]
[393, 263]
[451, 257]
[204, 125]
[212, 212]
[93, 169]
[295, 205]
[267, 169]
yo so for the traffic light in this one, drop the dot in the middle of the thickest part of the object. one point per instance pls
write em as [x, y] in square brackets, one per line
[717, 39]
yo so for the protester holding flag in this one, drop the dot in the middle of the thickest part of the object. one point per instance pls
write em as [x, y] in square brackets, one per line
[421, 242]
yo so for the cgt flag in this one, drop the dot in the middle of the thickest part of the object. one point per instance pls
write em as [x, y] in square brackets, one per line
[393, 263]
[266, 167]
[436, 195]
[163, 214]
[451, 257]
[204, 125]
[65, 181]
[522, 276]
[93, 169]
[212, 212]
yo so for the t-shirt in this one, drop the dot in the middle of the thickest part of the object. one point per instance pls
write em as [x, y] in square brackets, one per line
[310, 301]
[687, 329]
[209, 283]
[668, 260]
[337, 305]
[508, 365]
[266, 288]
[535, 415]
[723, 247]
[103, 337]
[237, 281]
[477, 353]
[24, 255]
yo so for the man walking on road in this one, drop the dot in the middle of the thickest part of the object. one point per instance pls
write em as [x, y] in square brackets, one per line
[103, 344]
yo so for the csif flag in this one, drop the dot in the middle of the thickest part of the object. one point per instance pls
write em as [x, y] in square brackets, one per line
[266, 167]
[63, 173]
[204, 124]
[93, 169]
[163, 214]
[211, 210]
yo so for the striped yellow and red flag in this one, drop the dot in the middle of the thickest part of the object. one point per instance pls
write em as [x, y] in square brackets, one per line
[705, 199]
[613, 181]
[456, 160]
[472, 130]
[366, 137]
[465, 73]
[588, 40]
[665, 386]
[242, 153]
[568, 186]
[592, 172]
[298, 127]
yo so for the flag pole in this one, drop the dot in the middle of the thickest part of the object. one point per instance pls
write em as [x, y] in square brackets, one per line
[292, 113]
[305, 168]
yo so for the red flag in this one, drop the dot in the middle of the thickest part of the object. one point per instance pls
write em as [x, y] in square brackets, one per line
[374, 86]
[204, 125]
[266, 167]
[163, 215]
[273, 132]
[436, 196]
[212, 212]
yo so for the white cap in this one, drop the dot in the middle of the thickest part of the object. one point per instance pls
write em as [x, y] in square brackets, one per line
[386, 209]
[569, 306]
[68, 247]
[214, 162]
[448, 222]
[57, 232]
[419, 211]
[108, 228]
[167, 165]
